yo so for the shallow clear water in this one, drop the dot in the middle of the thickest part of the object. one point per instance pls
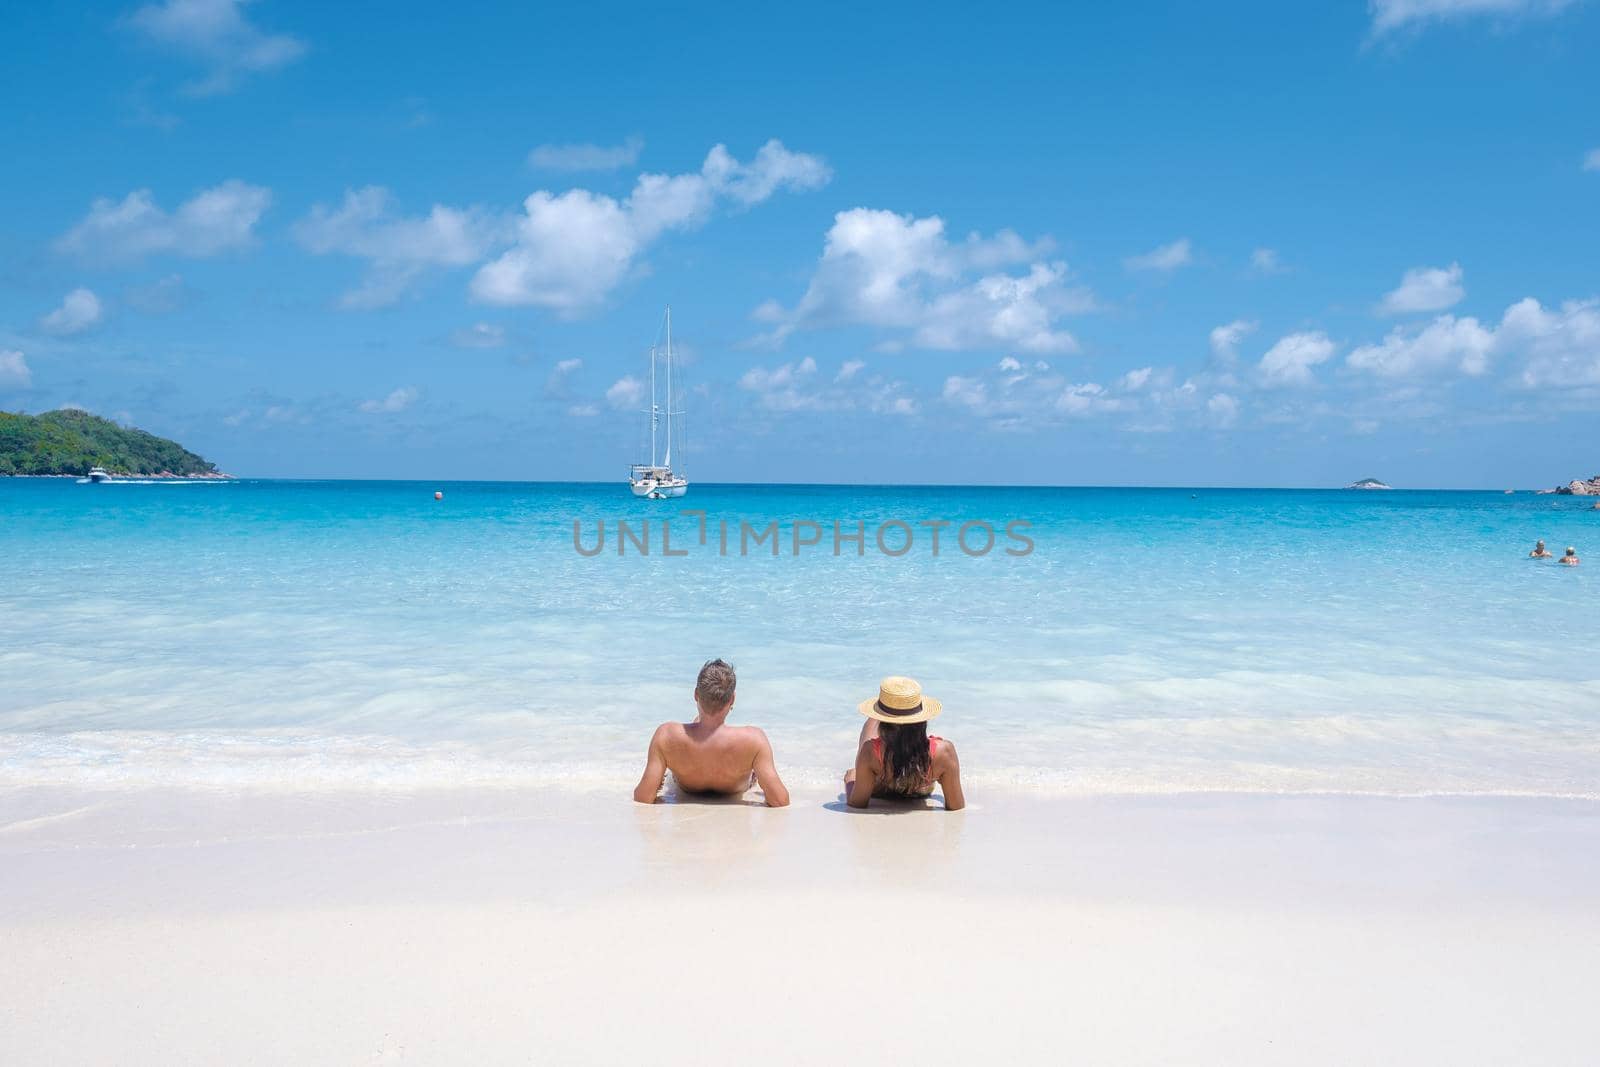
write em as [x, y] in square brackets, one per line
[330, 634]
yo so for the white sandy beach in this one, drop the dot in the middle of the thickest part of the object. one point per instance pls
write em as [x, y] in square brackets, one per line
[501, 927]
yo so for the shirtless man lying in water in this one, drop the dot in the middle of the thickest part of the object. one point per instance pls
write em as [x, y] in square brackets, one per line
[707, 755]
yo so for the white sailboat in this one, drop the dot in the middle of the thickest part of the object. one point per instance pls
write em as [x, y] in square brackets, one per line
[658, 481]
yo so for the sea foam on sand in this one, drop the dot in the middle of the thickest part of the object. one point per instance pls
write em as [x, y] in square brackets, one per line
[511, 926]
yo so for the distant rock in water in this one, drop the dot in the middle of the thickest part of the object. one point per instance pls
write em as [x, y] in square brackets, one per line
[71, 441]
[1578, 488]
[1368, 483]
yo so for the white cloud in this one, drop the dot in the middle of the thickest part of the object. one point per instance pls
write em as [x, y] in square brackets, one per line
[479, 335]
[284, 413]
[1000, 309]
[215, 34]
[1088, 398]
[774, 168]
[785, 388]
[583, 411]
[769, 311]
[1225, 340]
[1010, 396]
[1266, 261]
[797, 386]
[761, 380]
[287, 413]
[626, 392]
[213, 221]
[967, 392]
[1592, 160]
[1223, 409]
[1560, 346]
[871, 261]
[586, 156]
[1289, 362]
[399, 249]
[555, 385]
[14, 371]
[571, 249]
[1392, 15]
[160, 297]
[398, 400]
[1446, 342]
[80, 310]
[1425, 289]
[1135, 380]
[1165, 258]
[902, 273]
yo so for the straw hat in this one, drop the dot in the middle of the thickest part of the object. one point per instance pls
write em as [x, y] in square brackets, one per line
[900, 700]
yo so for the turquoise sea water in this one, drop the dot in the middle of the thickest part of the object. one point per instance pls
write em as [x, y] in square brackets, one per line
[329, 635]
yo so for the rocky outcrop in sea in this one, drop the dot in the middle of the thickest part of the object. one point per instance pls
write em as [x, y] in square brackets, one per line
[1578, 488]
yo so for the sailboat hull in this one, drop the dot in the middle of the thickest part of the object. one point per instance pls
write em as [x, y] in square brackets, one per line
[658, 490]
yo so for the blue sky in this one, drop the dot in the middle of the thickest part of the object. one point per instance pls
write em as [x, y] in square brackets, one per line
[1173, 244]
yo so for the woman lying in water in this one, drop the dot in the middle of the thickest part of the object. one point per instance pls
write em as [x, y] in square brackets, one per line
[897, 758]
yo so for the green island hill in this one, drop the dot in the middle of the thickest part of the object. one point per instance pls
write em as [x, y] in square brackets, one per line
[70, 442]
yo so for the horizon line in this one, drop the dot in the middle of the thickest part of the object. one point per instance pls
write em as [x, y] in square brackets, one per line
[842, 485]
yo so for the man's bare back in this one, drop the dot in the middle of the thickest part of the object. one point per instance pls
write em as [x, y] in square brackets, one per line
[711, 759]
[707, 755]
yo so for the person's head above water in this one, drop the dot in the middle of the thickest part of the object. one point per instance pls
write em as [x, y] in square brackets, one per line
[713, 690]
[1571, 551]
[1538, 545]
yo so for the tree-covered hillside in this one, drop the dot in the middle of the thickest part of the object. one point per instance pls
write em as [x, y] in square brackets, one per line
[70, 441]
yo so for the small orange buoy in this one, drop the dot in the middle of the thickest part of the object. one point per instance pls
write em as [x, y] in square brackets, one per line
[438, 496]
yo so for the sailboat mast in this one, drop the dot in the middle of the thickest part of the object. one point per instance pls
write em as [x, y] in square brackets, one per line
[668, 462]
[654, 409]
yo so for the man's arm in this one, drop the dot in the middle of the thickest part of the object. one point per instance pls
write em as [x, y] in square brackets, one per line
[655, 769]
[772, 786]
[866, 780]
[950, 780]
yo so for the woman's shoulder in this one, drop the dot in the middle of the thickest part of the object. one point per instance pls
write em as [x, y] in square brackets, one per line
[944, 750]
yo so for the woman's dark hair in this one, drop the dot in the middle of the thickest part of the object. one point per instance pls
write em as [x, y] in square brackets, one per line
[905, 755]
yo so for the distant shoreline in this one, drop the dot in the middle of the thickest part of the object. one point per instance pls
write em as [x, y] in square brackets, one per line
[165, 476]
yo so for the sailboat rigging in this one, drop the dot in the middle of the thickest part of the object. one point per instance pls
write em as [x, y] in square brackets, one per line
[657, 480]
